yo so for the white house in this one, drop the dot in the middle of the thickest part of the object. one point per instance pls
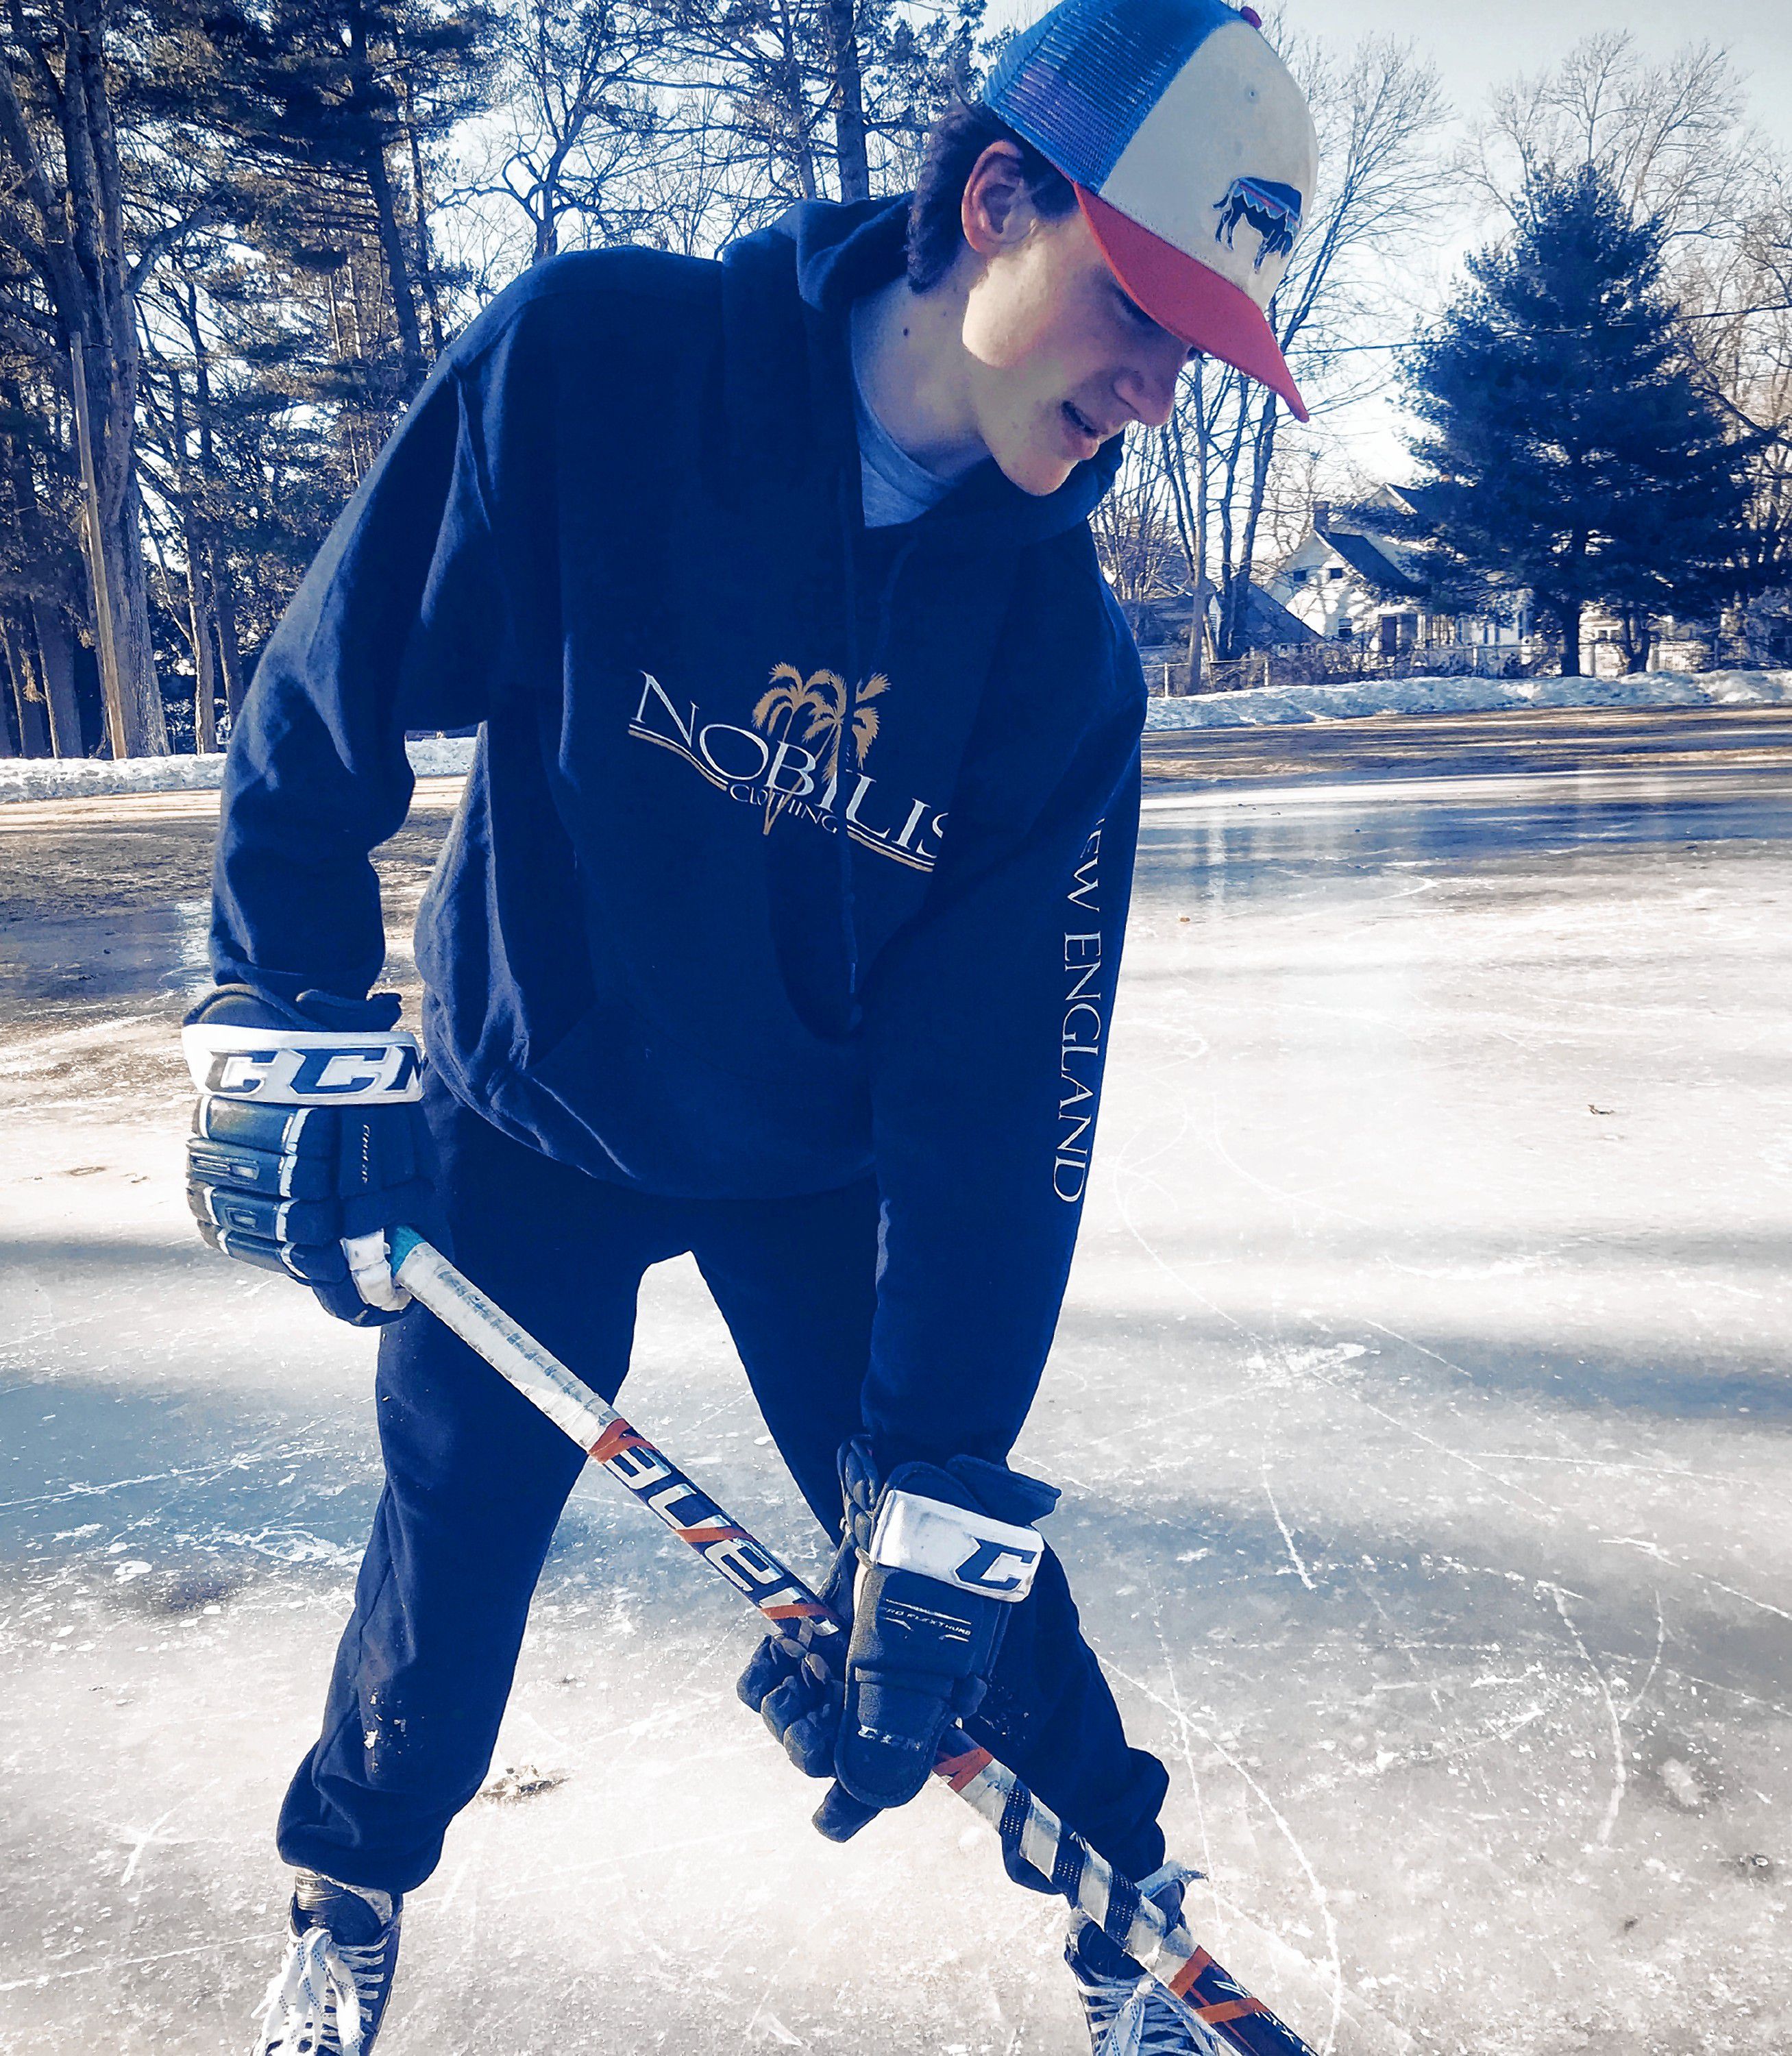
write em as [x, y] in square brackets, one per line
[1347, 580]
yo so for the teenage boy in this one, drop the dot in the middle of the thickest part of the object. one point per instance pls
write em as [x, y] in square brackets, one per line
[778, 925]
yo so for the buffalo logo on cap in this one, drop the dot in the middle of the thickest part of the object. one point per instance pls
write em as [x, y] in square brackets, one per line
[1271, 209]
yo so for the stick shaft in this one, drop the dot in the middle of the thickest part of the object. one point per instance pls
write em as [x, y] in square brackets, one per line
[599, 1429]
[1022, 1820]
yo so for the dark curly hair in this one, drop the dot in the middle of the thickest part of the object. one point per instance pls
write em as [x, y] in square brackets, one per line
[958, 138]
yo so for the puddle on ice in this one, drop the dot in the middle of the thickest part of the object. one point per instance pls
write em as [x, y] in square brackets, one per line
[84, 959]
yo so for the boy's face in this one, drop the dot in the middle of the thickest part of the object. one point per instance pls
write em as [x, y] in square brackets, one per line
[1061, 358]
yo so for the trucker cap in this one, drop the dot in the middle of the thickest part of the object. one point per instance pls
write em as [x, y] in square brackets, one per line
[1191, 152]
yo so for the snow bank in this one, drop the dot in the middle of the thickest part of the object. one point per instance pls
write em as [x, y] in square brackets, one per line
[61, 778]
[64, 777]
[1355, 698]
[45, 778]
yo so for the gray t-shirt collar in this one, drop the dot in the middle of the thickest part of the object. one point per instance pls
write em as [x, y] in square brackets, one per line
[894, 486]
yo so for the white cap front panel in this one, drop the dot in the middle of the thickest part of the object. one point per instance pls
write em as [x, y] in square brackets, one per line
[1223, 165]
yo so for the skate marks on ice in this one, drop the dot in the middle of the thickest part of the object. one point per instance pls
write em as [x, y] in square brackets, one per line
[172, 1585]
[674, 1882]
[1403, 1398]
[1445, 1550]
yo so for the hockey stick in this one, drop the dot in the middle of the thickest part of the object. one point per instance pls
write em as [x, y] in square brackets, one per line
[1024, 1823]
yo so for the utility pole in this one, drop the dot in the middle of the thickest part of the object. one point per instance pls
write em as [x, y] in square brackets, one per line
[95, 534]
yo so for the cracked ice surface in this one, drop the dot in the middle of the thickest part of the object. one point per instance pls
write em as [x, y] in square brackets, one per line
[1421, 1401]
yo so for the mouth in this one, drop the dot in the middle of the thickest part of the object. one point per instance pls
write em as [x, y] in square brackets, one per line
[1083, 430]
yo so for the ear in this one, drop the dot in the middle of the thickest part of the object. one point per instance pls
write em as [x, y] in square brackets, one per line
[997, 211]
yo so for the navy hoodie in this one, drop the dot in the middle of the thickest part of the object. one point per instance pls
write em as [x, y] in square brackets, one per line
[792, 852]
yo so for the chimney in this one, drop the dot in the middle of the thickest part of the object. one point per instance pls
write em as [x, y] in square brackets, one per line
[1322, 516]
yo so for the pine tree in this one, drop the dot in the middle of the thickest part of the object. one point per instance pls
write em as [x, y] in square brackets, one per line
[339, 101]
[76, 249]
[1578, 459]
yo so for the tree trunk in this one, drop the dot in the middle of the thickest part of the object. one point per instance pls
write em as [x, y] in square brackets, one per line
[205, 657]
[1176, 470]
[1203, 511]
[853, 165]
[1238, 593]
[223, 608]
[9, 726]
[397, 266]
[105, 324]
[368, 94]
[199, 600]
[1191, 524]
[1228, 568]
[1567, 620]
[425, 267]
[30, 710]
[215, 570]
[335, 317]
[56, 648]
[1636, 640]
[145, 730]
[787, 94]
[93, 536]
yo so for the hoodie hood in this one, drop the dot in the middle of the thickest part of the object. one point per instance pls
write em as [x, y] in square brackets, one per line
[789, 376]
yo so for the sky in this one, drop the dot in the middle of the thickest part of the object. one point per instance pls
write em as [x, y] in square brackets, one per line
[1476, 46]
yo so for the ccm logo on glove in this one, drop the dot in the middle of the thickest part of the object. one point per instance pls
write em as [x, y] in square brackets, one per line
[287, 1068]
[990, 1558]
[309, 1143]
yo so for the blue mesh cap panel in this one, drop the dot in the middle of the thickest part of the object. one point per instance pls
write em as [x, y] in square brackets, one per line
[1078, 84]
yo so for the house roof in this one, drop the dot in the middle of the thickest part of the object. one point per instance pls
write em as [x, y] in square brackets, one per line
[1269, 625]
[1370, 560]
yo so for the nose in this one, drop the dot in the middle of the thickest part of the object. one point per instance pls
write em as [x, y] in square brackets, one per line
[1149, 391]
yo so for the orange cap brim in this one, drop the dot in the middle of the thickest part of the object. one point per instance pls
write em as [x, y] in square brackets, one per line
[1182, 294]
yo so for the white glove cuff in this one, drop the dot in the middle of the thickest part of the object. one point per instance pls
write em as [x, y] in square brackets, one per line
[294, 1067]
[990, 1558]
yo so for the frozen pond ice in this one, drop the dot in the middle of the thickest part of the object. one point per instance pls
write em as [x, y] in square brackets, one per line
[1420, 1400]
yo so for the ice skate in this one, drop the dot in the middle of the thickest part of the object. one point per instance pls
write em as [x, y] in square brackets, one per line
[329, 1997]
[1130, 2014]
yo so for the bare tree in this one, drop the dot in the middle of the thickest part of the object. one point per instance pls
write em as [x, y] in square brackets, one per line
[695, 193]
[1379, 110]
[1670, 137]
[1739, 294]
[824, 98]
[577, 121]
[1135, 526]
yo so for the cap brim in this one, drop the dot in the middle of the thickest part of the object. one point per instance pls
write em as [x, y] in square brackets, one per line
[1182, 294]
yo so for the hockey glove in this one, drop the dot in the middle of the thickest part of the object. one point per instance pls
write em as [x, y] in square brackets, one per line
[931, 1560]
[308, 1142]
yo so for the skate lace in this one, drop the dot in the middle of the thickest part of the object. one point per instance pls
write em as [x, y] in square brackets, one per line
[1135, 2016]
[1151, 2022]
[316, 2001]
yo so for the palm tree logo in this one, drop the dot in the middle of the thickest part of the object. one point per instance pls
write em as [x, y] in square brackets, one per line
[828, 713]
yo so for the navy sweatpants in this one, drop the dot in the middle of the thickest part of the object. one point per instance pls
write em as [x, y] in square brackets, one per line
[476, 1478]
